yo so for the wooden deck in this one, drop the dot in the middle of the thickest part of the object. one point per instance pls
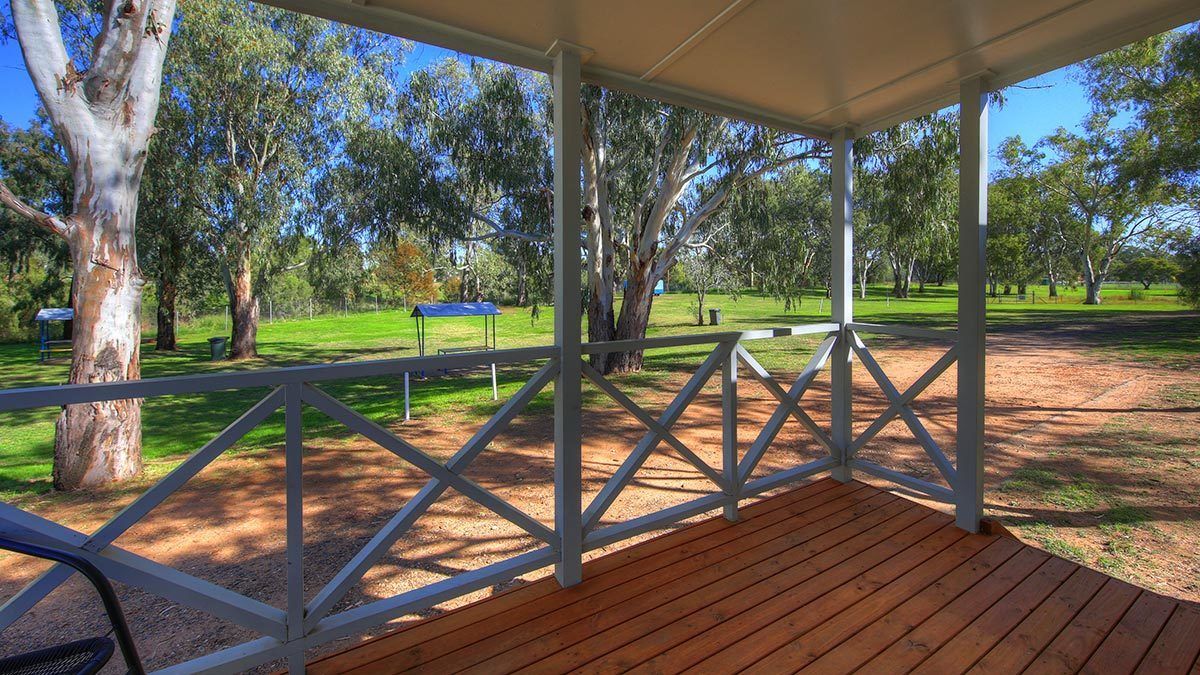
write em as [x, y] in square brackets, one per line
[826, 578]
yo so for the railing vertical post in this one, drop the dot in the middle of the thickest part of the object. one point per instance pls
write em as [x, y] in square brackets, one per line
[972, 318]
[568, 336]
[294, 491]
[842, 300]
[729, 431]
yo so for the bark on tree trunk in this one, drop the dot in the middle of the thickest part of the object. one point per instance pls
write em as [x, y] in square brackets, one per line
[634, 318]
[167, 291]
[522, 286]
[1051, 278]
[1091, 282]
[243, 308]
[98, 443]
[699, 309]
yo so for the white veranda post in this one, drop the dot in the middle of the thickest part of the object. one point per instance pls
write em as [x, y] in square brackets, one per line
[842, 302]
[568, 316]
[972, 323]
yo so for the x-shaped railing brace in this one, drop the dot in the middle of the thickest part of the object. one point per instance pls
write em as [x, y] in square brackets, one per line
[443, 476]
[658, 430]
[652, 425]
[789, 405]
[900, 404]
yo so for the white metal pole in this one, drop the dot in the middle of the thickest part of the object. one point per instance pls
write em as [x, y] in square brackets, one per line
[568, 407]
[495, 391]
[972, 319]
[407, 411]
[841, 299]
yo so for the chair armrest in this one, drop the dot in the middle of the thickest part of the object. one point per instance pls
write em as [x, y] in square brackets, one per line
[112, 605]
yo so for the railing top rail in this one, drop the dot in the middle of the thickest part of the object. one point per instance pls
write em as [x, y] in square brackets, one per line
[66, 394]
[904, 330]
[690, 339]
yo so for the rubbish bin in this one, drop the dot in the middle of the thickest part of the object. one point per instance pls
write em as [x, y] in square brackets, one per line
[714, 317]
[216, 346]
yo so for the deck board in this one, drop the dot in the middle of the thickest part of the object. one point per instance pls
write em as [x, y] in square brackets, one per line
[825, 578]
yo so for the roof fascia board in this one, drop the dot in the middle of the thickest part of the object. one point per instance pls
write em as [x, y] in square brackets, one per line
[402, 24]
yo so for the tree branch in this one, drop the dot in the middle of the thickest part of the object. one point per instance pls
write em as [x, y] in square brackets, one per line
[51, 223]
[53, 74]
[499, 230]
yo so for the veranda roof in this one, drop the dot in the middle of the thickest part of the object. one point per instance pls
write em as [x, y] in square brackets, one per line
[805, 65]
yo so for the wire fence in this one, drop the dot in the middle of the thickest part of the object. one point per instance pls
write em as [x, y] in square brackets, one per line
[271, 311]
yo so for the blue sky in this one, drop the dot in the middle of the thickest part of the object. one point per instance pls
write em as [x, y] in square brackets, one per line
[1048, 102]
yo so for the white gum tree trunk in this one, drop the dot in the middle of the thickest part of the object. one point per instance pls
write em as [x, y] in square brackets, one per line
[104, 117]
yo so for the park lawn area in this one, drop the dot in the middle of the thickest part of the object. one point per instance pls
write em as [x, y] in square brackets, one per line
[177, 425]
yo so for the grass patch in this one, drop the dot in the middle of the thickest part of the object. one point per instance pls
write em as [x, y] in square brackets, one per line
[1047, 537]
[1029, 479]
[1075, 495]
[1125, 515]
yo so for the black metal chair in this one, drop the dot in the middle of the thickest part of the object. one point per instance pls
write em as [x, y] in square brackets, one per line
[81, 656]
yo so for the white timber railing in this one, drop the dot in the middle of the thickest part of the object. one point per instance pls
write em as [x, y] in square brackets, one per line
[285, 633]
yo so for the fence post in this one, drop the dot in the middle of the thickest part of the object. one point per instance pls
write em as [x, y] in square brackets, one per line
[294, 481]
[729, 431]
[568, 405]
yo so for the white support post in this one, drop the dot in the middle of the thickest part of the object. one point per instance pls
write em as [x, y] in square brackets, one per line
[294, 487]
[729, 432]
[407, 403]
[972, 320]
[568, 406]
[842, 305]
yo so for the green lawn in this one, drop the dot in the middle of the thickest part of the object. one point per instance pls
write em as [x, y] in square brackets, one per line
[179, 424]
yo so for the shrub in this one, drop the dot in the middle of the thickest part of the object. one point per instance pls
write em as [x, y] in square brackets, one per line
[1189, 273]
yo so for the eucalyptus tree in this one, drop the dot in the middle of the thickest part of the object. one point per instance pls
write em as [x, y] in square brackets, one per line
[171, 227]
[268, 95]
[1158, 79]
[869, 242]
[710, 268]
[916, 197]
[655, 176]
[487, 128]
[1102, 175]
[100, 89]
[1041, 221]
[780, 224]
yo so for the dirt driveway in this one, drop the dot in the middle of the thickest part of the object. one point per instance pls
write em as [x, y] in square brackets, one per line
[1090, 457]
